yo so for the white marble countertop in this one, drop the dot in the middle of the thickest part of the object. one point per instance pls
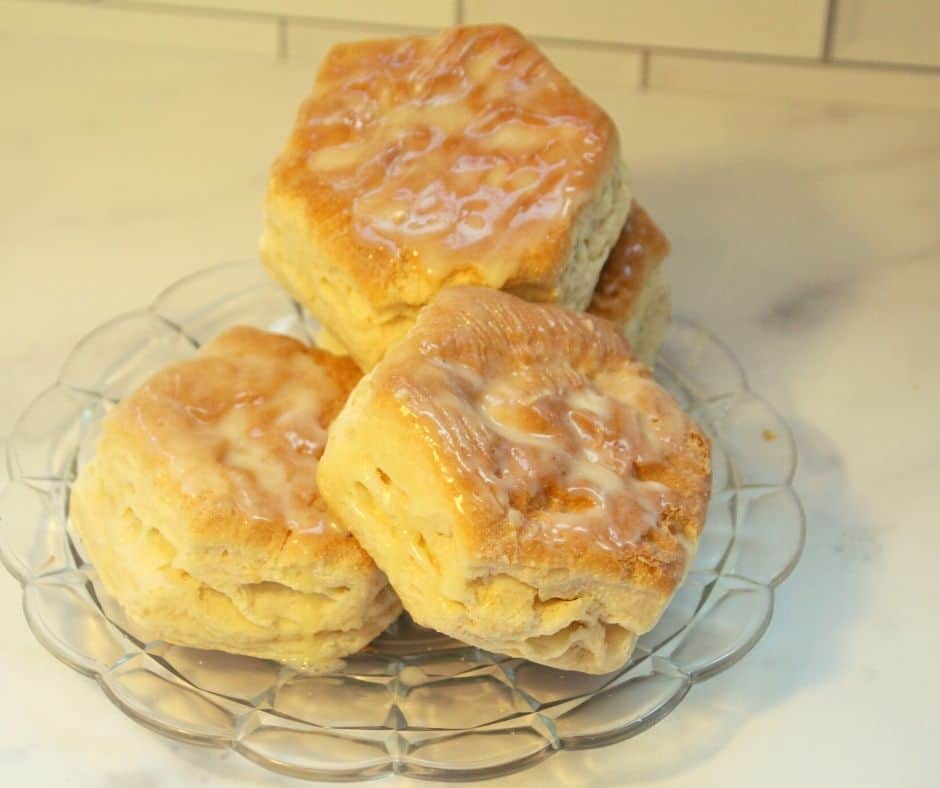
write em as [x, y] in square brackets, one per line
[806, 235]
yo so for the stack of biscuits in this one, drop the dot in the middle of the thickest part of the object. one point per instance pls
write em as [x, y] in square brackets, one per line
[477, 436]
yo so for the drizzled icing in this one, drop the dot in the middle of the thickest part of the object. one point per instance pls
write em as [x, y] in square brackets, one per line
[465, 149]
[243, 425]
[542, 419]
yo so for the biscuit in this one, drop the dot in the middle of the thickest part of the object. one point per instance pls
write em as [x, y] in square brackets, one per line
[201, 514]
[324, 340]
[420, 163]
[633, 291]
[524, 483]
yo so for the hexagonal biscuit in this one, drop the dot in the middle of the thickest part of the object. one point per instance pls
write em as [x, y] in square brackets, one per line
[421, 163]
[524, 483]
[201, 514]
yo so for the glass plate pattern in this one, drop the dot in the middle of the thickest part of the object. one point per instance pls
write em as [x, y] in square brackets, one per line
[415, 702]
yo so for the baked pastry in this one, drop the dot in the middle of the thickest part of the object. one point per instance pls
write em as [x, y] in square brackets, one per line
[201, 514]
[633, 291]
[419, 163]
[524, 483]
[324, 340]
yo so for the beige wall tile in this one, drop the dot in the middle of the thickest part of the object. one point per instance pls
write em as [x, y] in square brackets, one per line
[596, 69]
[762, 26]
[308, 43]
[424, 13]
[604, 75]
[836, 83]
[137, 26]
[896, 31]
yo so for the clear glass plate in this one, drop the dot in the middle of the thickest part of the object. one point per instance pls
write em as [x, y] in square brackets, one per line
[415, 702]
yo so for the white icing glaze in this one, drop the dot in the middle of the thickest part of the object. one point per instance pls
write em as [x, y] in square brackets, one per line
[556, 455]
[244, 430]
[452, 151]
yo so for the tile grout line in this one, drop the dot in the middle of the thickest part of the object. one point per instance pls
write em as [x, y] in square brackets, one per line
[886, 66]
[586, 44]
[730, 55]
[645, 70]
[205, 12]
[829, 32]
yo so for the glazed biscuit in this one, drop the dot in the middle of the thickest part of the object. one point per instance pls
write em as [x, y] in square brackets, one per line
[421, 163]
[633, 291]
[524, 483]
[201, 514]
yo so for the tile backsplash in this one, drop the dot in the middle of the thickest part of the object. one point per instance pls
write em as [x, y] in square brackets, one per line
[880, 52]
[144, 26]
[889, 31]
[753, 26]
[410, 13]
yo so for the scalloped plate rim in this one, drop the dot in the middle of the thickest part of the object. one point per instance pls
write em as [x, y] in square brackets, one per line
[394, 765]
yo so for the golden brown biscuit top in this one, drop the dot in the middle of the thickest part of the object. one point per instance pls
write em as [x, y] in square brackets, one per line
[243, 424]
[419, 158]
[550, 434]
[640, 247]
